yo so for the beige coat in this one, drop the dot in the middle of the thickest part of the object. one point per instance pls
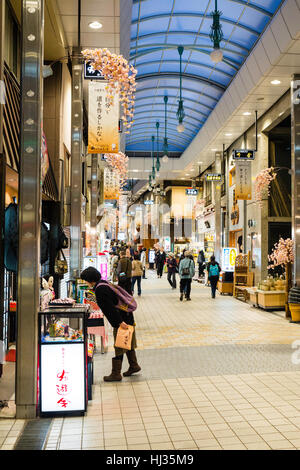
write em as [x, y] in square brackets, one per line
[137, 268]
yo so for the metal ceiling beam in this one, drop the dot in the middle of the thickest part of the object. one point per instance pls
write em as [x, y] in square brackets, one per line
[177, 145]
[188, 76]
[186, 99]
[174, 135]
[188, 33]
[185, 107]
[195, 15]
[241, 2]
[197, 92]
[196, 64]
[161, 114]
[161, 47]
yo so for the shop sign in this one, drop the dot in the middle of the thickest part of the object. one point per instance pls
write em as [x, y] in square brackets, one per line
[62, 377]
[167, 243]
[90, 72]
[243, 183]
[191, 192]
[149, 202]
[228, 259]
[243, 154]
[103, 135]
[213, 177]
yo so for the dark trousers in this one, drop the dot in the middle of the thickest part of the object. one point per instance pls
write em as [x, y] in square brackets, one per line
[213, 285]
[201, 270]
[185, 286]
[126, 284]
[138, 279]
[172, 279]
[144, 273]
[160, 268]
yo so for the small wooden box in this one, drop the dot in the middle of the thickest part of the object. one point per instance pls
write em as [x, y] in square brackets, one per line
[271, 299]
[225, 287]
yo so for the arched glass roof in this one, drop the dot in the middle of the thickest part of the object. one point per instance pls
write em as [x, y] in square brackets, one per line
[158, 27]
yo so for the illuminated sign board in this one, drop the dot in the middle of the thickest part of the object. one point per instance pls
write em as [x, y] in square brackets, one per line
[62, 377]
[213, 177]
[243, 154]
[191, 192]
[148, 202]
[228, 259]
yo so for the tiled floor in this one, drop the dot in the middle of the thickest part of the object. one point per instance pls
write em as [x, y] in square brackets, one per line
[216, 374]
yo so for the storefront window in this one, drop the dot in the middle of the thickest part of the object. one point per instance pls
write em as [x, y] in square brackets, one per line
[12, 42]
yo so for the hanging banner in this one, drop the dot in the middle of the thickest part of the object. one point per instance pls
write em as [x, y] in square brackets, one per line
[243, 183]
[103, 120]
[111, 184]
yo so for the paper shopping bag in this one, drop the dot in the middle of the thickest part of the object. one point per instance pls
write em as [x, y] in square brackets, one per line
[124, 338]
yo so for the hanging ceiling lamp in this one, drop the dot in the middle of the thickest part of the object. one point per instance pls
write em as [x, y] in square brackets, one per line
[180, 110]
[165, 158]
[216, 35]
[157, 153]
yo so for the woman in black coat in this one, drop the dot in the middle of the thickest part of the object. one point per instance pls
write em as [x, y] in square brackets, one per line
[107, 300]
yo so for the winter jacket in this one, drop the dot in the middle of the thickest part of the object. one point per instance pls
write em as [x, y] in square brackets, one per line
[125, 266]
[172, 265]
[137, 268]
[143, 259]
[161, 258]
[107, 301]
[187, 263]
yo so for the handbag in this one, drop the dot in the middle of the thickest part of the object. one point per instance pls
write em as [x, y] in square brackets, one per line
[124, 338]
[61, 265]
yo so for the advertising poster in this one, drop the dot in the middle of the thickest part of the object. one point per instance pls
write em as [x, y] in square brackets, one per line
[111, 184]
[228, 259]
[243, 181]
[45, 157]
[103, 136]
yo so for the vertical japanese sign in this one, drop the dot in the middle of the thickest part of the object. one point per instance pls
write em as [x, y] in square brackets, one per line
[243, 189]
[111, 184]
[228, 259]
[62, 378]
[103, 120]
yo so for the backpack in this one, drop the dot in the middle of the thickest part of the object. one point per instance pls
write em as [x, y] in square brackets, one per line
[186, 271]
[126, 302]
[213, 270]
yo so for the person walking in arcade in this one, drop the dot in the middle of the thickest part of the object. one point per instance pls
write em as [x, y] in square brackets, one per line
[213, 269]
[107, 299]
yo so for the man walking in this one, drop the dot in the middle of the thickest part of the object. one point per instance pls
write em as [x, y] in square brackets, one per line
[186, 272]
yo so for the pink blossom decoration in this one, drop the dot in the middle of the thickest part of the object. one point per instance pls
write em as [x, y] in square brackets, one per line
[120, 76]
[118, 162]
[282, 254]
[262, 184]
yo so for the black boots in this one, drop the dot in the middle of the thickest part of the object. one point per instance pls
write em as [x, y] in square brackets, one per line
[133, 364]
[115, 375]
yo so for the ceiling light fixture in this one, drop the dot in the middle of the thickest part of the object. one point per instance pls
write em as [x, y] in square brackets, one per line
[275, 82]
[180, 111]
[216, 35]
[247, 113]
[95, 25]
[157, 154]
[165, 158]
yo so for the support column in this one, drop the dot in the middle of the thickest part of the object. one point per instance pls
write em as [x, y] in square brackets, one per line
[218, 222]
[94, 203]
[295, 120]
[76, 170]
[2, 174]
[29, 207]
[226, 157]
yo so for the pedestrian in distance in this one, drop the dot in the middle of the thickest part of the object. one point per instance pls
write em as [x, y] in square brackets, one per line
[161, 259]
[201, 263]
[213, 269]
[186, 272]
[124, 272]
[143, 260]
[107, 299]
[137, 272]
[172, 270]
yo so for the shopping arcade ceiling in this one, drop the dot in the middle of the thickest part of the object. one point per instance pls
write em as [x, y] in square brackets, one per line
[157, 28]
